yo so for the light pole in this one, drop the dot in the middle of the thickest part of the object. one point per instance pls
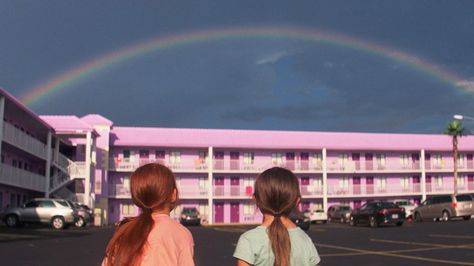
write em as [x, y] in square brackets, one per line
[463, 117]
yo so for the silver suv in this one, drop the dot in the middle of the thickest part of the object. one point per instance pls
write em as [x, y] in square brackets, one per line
[445, 207]
[56, 212]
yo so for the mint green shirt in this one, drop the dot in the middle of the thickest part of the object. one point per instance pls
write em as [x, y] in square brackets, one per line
[254, 248]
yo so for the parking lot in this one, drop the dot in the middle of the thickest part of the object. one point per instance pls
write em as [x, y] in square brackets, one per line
[428, 243]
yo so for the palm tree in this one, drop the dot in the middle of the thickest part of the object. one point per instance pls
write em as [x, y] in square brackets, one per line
[455, 130]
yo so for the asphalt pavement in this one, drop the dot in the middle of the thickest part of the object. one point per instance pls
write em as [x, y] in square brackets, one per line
[427, 243]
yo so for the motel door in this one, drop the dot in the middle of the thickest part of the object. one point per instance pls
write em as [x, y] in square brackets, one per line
[428, 183]
[415, 160]
[234, 160]
[304, 161]
[369, 181]
[356, 185]
[290, 160]
[470, 182]
[234, 212]
[427, 161]
[369, 165]
[219, 160]
[416, 184]
[470, 163]
[218, 212]
[304, 183]
[356, 160]
[219, 186]
[235, 186]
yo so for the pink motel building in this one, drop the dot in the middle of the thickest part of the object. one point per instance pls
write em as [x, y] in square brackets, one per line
[89, 159]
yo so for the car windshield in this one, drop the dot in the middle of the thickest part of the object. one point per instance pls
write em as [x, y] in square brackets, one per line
[403, 203]
[345, 208]
[319, 211]
[63, 203]
[386, 205]
[189, 211]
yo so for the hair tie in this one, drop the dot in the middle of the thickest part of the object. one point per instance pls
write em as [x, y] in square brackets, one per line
[148, 210]
[277, 214]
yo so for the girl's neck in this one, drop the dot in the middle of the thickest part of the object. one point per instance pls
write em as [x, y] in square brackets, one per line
[268, 219]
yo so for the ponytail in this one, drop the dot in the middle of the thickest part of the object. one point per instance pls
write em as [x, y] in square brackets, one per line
[126, 246]
[280, 242]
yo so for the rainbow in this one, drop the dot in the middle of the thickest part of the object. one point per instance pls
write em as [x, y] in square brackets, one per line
[121, 56]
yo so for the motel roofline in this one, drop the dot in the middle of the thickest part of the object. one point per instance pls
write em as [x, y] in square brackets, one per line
[295, 140]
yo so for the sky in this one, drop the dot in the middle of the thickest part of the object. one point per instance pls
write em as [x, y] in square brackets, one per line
[246, 82]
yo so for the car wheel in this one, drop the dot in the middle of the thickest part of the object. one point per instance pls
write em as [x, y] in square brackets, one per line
[399, 223]
[329, 219]
[342, 220]
[12, 221]
[445, 216]
[353, 222]
[373, 222]
[58, 223]
[418, 218]
[467, 217]
[80, 222]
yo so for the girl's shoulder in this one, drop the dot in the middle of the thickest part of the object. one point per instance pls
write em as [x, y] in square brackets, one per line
[170, 226]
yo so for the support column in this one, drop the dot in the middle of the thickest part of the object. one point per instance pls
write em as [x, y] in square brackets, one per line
[423, 175]
[87, 181]
[210, 167]
[48, 164]
[325, 180]
[2, 113]
[56, 149]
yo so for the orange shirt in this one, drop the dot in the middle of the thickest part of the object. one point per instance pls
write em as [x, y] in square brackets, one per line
[169, 244]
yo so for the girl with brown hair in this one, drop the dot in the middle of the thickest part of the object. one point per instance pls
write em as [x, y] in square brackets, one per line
[151, 238]
[278, 241]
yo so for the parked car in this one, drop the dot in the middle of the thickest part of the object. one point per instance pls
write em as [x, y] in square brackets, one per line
[407, 205]
[318, 215]
[339, 212]
[190, 216]
[86, 215]
[58, 213]
[378, 213]
[300, 219]
[445, 207]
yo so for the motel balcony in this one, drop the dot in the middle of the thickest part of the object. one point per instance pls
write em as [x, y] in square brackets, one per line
[20, 139]
[311, 191]
[357, 167]
[196, 165]
[185, 192]
[17, 177]
[233, 191]
[373, 190]
[221, 165]
[448, 187]
[75, 169]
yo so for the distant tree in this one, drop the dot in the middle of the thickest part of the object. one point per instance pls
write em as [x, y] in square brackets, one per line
[456, 130]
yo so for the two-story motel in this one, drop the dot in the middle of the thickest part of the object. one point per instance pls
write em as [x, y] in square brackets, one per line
[90, 160]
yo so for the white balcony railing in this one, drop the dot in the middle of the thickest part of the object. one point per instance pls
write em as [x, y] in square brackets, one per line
[355, 190]
[128, 166]
[190, 191]
[77, 169]
[307, 190]
[13, 176]
[22, 140]
[233, 191]
[119, 191]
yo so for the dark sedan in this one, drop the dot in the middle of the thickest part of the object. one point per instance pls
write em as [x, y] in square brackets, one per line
[300, 219]
[378, 213]
[190, 216]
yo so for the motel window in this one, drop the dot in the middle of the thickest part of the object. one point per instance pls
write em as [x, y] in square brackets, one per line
[404, 160]
[178, 182]
[20, 164]
[159, 154]
[128, 209]
[249, 208]
[248, 158]
[461, 179]
[461, 160]
[437, 160]
[405, 182]
[381, 182]
[344, 182]
[202, 183]
[317, 159]
[98, 185]
[439, 181]
[318, 182]
[144, 154]
[380, 160]
[203, 209]
[14, 163]
[126, 155]
[202, 155]
[12, 200]
[175, 157]
[343, 158]
[277, 158]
